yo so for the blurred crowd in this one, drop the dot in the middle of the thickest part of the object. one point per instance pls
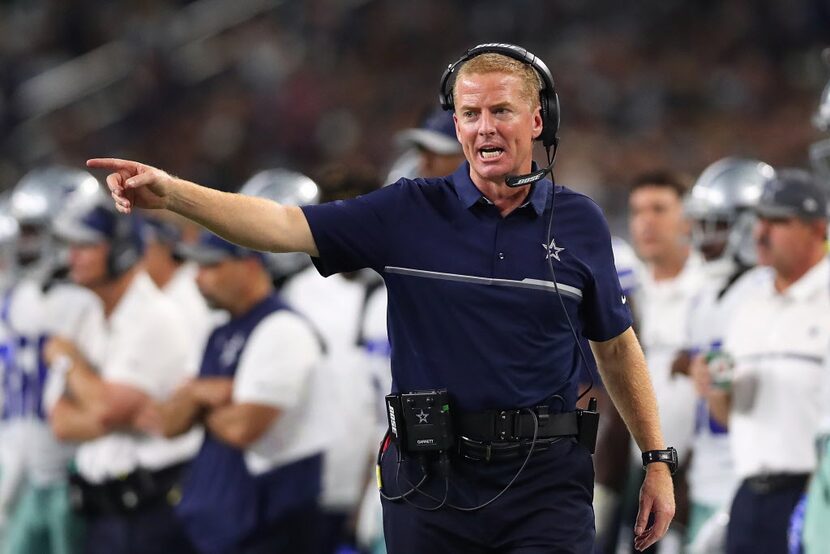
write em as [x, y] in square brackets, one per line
[218, 91]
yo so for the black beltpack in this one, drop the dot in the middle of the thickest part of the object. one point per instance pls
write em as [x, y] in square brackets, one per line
[421, 421]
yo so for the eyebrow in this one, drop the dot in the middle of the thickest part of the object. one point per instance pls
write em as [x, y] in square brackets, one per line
[465, 107]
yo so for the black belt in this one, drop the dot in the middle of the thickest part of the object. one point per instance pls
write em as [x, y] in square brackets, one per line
[515, 425]
[138, 490]
[498, 435]
[501, 451]
[774, 482]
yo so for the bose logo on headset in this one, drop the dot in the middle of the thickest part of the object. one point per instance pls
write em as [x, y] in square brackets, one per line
[548, 99]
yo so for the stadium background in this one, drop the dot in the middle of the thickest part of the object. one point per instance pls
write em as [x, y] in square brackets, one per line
[214, 90]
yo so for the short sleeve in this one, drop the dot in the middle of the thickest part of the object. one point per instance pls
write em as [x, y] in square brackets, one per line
[277, 362]
[356, 233]
[605, 307]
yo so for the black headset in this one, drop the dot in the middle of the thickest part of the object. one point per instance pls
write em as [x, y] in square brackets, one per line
[548, 99]
[126, 245]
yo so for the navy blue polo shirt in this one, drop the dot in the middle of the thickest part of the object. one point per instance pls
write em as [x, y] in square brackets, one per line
[471, 300]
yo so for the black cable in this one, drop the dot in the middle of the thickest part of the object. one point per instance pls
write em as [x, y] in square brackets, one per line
[381, 450]
[441, 503]
[506, 487]
[548, 236]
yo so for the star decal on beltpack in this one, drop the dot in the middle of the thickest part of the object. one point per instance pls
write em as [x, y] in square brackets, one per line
[552, 251]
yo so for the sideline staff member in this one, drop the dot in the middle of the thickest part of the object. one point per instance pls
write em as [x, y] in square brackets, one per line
[777, 340]
[470, 304]
[254, 484]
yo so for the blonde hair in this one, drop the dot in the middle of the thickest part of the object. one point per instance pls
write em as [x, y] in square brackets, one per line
[499, 63]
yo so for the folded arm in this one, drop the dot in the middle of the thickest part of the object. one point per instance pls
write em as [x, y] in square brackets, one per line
[189, 405]
[90, 406]
[241, 425]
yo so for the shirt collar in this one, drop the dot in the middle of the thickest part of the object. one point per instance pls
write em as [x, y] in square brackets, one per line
[816, 278]
[469, 194]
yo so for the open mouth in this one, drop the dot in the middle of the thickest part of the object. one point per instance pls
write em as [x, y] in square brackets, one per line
[490, 152]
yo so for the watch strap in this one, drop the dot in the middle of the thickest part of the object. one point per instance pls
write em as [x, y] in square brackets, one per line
[668, 456]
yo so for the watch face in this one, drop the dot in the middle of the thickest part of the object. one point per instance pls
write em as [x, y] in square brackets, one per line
[668, 456]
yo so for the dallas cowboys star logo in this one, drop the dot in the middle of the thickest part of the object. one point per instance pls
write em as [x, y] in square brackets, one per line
[422, 416]
[231, 349]
[552, 251]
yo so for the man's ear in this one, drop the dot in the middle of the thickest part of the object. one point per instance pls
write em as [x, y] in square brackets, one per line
[537, 122]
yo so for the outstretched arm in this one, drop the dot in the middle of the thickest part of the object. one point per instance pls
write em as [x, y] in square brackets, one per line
[623, 368]
[245, 220]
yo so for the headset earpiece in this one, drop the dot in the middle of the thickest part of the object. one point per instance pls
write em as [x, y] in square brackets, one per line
[548, 99]
[126, 246]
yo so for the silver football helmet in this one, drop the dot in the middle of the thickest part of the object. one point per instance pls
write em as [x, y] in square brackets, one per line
[291, 189]
[821, 119]
[820, 151]
[720, 203]
[34, 202]
[9, 237]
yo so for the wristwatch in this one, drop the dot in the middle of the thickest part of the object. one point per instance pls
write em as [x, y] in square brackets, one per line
[668, 456]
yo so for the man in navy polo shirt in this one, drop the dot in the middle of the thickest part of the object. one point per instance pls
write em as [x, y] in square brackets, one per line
[473, 308]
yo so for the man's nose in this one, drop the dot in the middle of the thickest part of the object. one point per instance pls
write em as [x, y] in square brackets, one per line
[486, 124]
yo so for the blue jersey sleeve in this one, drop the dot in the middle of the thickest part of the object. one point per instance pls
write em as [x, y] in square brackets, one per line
[356, 233]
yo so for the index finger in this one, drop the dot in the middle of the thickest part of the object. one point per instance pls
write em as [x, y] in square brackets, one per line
[654, 533]
[113, 163]
[643, 513]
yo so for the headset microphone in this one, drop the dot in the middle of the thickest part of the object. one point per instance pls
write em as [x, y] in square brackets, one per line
[514, 181]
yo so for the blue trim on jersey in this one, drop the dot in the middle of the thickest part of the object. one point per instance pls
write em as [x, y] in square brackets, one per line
[704, 419]
[378, 347]
[23, 370]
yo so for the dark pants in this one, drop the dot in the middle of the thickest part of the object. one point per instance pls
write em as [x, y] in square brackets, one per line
[759, 519]
[152, 529]
[332, 531]
[547, 510]
[294, 533]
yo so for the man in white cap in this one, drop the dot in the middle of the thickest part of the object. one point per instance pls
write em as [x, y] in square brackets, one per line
[777, 340]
